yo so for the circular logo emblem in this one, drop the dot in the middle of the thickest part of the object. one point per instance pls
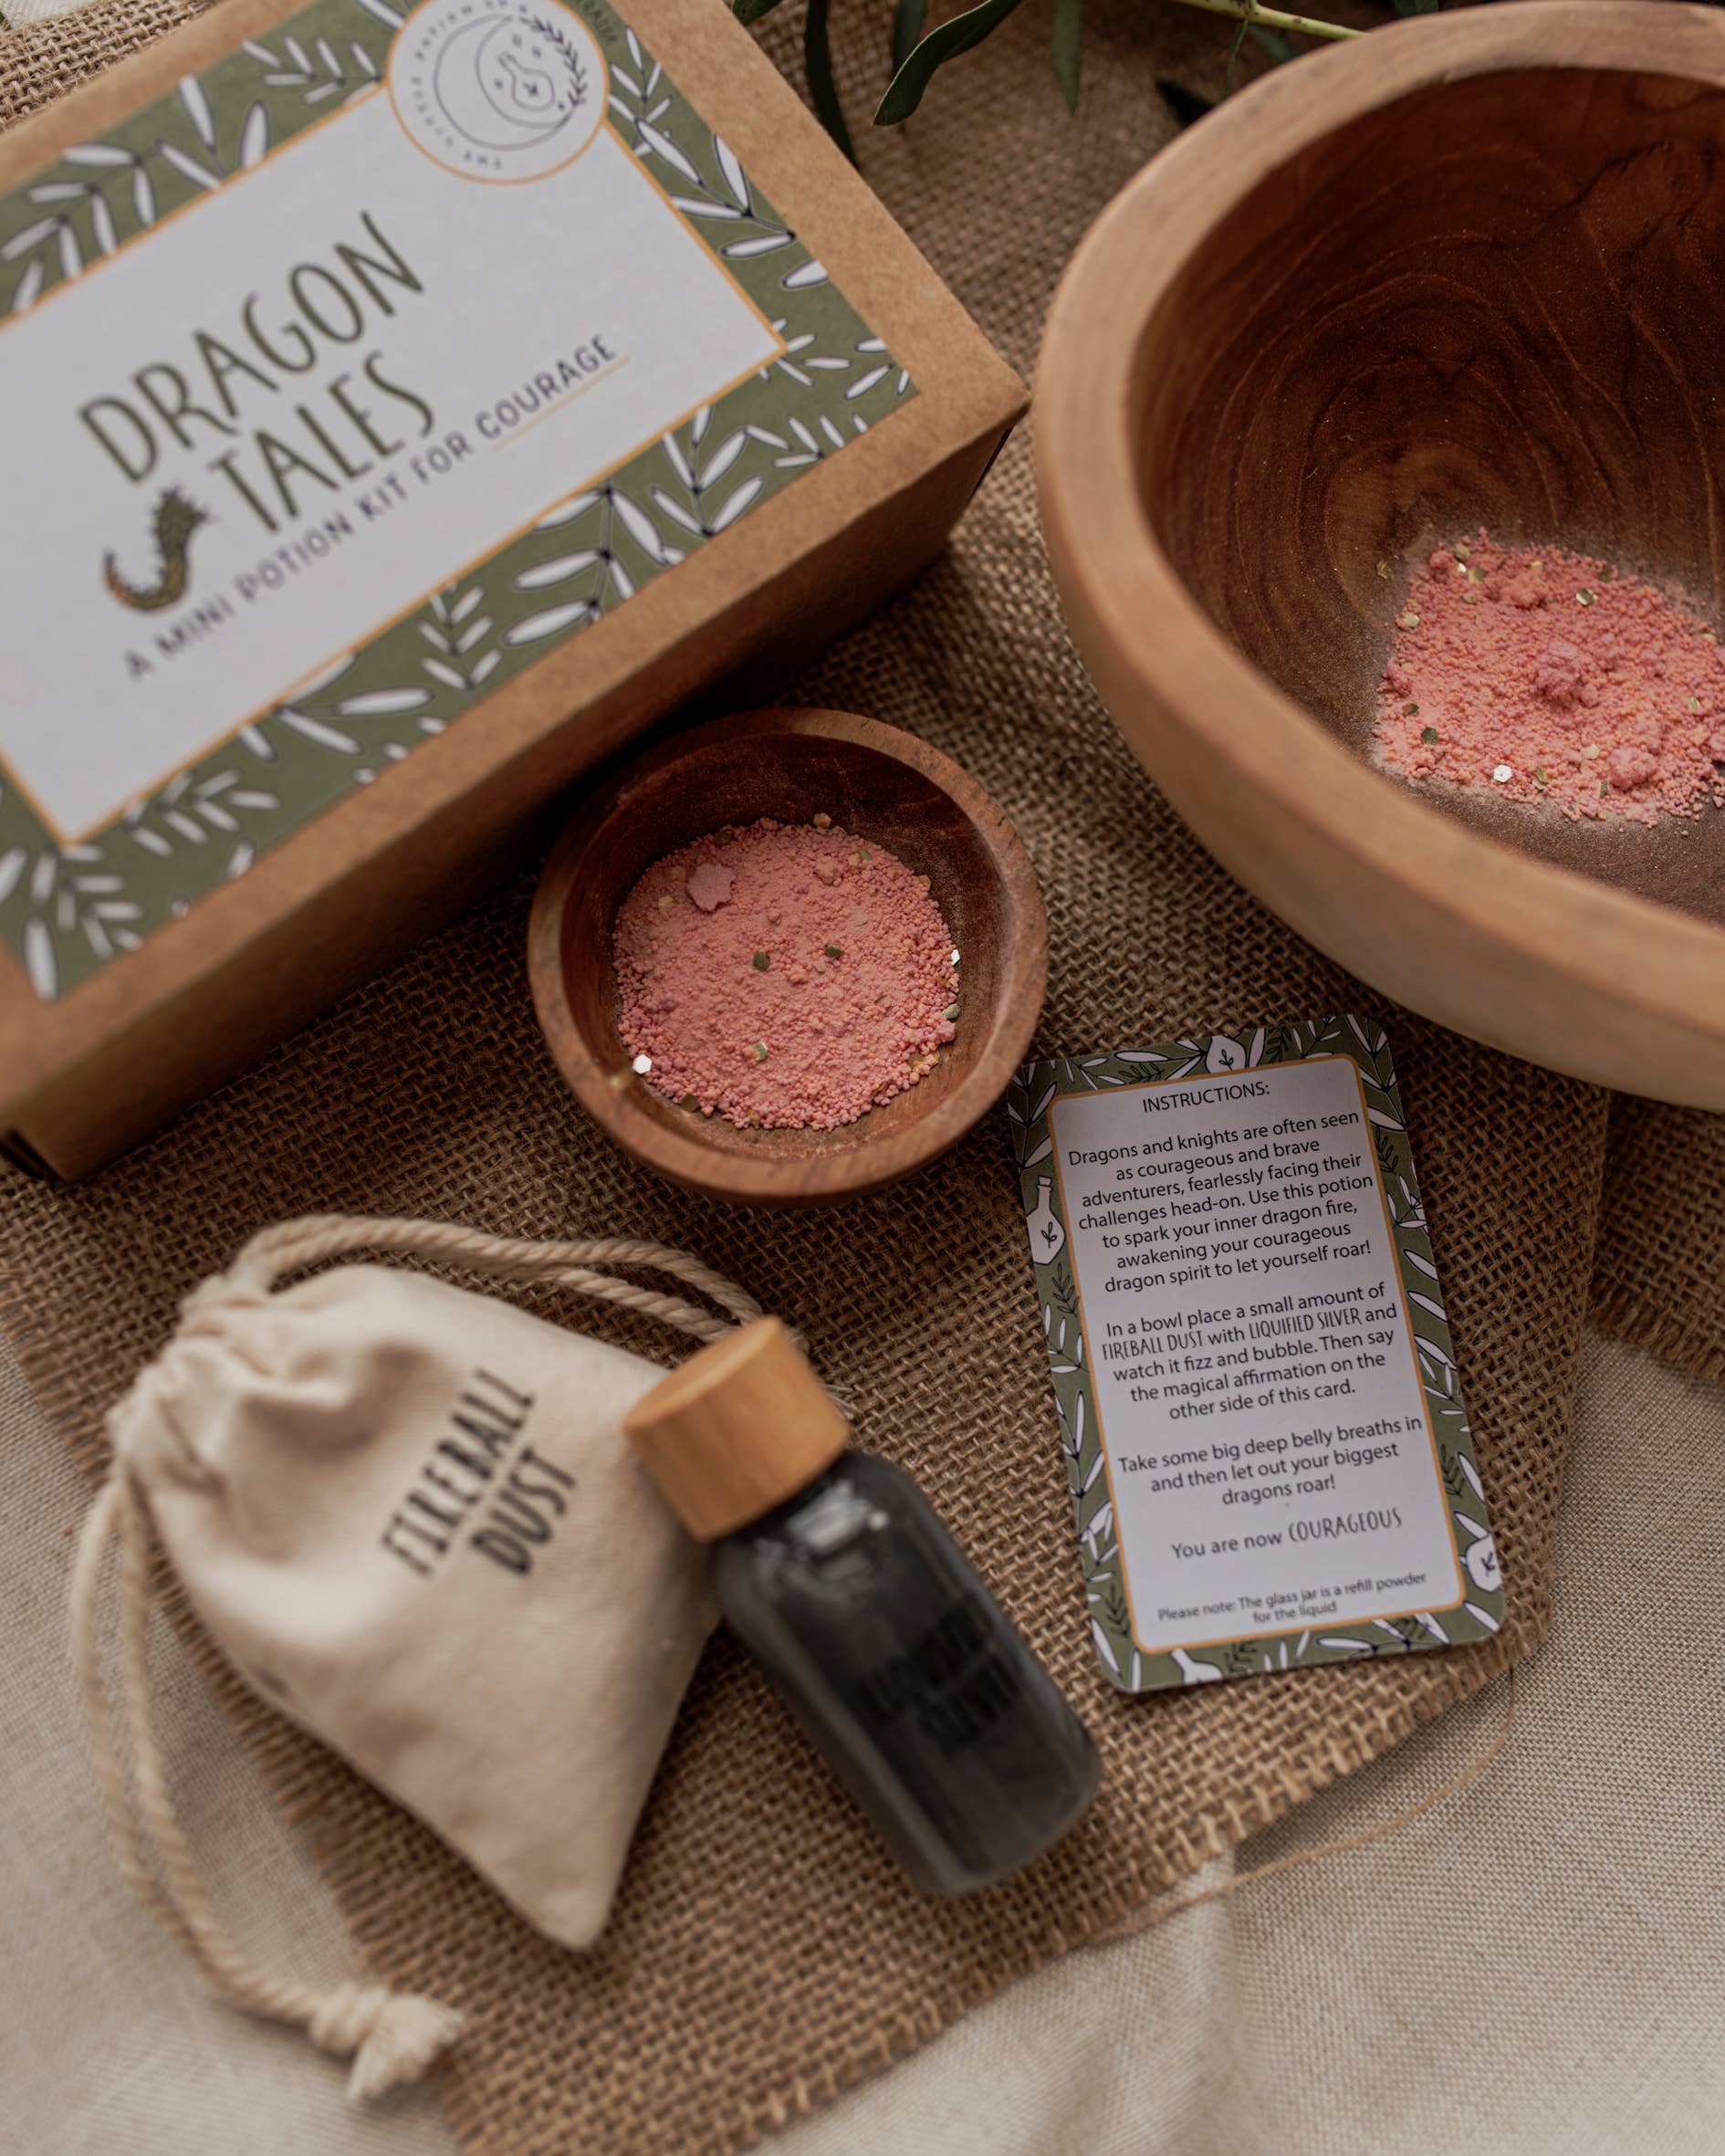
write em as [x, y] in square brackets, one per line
[498, 90]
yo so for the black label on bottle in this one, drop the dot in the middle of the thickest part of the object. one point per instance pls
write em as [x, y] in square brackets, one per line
[949, 1680]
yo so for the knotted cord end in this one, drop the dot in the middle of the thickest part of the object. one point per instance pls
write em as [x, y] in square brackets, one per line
[395, 2038]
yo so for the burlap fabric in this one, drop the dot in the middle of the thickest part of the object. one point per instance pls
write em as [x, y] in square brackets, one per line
[1660, 1278]
[764, 1952]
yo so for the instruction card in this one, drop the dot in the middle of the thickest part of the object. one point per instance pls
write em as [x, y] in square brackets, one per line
[1262, 1422]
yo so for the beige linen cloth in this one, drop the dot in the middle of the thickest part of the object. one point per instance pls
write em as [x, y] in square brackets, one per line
[37, 11]
[1535, 1969]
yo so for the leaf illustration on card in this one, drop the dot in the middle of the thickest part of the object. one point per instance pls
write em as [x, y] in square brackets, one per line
[601, 536]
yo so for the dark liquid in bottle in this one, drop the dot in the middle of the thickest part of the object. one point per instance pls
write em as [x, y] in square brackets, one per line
[904, 1672]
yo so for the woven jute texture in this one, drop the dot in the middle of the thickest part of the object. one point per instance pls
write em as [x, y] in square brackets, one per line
[1660, 1278]
[764, 1953]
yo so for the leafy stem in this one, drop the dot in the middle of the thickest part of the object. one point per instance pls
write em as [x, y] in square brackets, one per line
[1273, 19]
[919, 53]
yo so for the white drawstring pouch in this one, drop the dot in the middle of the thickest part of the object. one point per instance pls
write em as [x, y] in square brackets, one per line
[407, 1514]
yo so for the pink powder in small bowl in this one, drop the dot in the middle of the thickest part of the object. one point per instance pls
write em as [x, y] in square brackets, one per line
[783, 975]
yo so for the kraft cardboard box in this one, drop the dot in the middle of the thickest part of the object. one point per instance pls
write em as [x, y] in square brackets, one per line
[399, 409]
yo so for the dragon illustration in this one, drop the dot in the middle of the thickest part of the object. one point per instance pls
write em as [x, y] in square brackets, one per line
[176, 519]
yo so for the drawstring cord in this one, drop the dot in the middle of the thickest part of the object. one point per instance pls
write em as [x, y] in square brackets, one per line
[294, 1246]
[392, 2037]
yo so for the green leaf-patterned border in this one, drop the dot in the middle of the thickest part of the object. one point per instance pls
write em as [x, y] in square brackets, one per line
[1030, 1097]
[68, 909]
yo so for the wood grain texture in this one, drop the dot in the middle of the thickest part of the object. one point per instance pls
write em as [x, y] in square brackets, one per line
[1471, 270]
[737, 1429]
[873, 780]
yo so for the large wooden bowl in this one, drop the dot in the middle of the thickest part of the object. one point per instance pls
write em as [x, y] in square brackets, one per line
[873, 780]
[1466, 270]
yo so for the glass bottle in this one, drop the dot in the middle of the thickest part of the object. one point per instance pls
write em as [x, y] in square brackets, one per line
[838, 1575]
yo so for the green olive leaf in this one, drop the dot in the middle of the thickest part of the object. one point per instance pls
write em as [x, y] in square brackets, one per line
[817, 62]
[905, 92]
[1278, 48]
[1066, 40]
[1186, 104]
[909, 20]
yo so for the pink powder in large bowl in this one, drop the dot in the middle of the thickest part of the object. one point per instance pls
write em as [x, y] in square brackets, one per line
[1545, 675]
[785, 976]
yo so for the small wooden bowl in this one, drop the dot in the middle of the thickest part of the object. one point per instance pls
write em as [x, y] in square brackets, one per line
[1461, 271]
[874, 781]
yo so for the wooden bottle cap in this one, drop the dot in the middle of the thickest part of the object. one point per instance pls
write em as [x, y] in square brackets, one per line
[737, 1429]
